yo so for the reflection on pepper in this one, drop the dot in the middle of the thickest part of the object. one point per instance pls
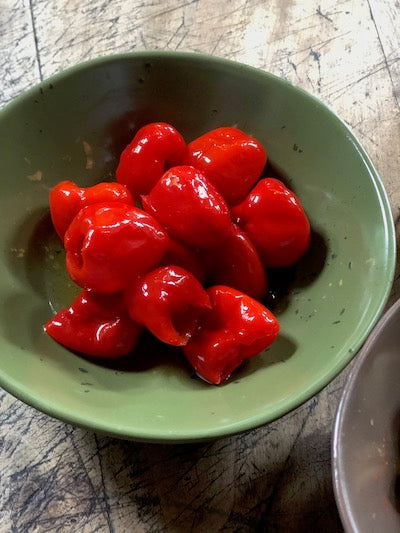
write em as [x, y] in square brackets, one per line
[169, 302]
[230, 159]
[109, 244]
[189, 207]
[238, 265]
[67, 199]
[97, 325]
[237, 328]
[155, 148]
[274, 219]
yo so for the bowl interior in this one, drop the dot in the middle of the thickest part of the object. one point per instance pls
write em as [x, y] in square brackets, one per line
[74, 126]
[366, 441]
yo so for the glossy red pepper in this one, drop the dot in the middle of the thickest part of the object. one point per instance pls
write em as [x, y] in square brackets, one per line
[237, 328]
[238, 265]
[169, 302]
[97, 325]
[155, 148]
[185, 257]
[108, 245]
[67, 199]
[274, 219]
[189, 207]
[232, 160]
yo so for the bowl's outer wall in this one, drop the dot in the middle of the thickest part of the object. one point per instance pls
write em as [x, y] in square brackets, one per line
[74, 126]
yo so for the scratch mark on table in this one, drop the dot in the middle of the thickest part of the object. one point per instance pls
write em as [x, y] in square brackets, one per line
[106, 501]
[395, 95]
[36, 40]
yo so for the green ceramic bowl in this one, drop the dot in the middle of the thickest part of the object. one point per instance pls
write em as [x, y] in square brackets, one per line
[74, 126]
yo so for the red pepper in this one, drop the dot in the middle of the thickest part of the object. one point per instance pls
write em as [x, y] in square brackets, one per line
[155, 148]
[238, 265]
[67, 199]
[110, 244]
[236, 329]
[186, 257]
[168, 301]
[97, 325]
[232, 160]
[189, 207]
[274, 219]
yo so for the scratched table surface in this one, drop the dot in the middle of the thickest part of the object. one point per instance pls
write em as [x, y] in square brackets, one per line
[55, 477]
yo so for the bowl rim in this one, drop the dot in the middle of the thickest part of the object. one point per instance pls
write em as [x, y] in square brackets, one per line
[339, 488]
[16, 389]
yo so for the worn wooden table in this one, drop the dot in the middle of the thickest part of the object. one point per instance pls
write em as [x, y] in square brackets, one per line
[55, 477]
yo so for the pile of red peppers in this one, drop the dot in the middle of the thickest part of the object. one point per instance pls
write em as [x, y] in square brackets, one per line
[190, 263]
